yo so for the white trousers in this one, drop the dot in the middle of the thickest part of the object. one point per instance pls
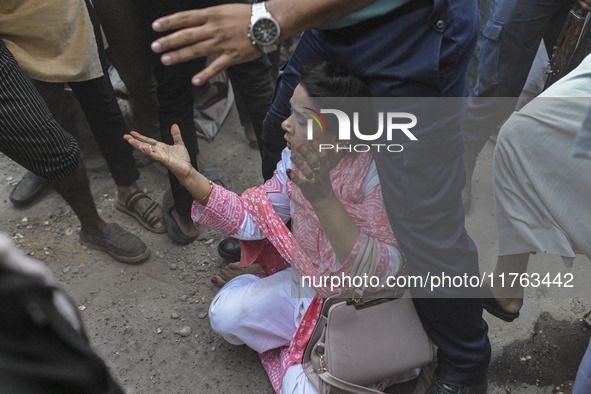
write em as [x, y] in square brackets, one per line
[264, 314]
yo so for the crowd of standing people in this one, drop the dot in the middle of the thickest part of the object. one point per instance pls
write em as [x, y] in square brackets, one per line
[318, 213]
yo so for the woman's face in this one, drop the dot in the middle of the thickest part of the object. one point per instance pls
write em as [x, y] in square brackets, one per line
[296, 126]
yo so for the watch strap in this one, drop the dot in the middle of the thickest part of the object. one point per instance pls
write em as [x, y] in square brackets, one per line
[259, 10]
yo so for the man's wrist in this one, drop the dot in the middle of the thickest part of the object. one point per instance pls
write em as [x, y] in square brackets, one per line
[264, 30]
[295, 17]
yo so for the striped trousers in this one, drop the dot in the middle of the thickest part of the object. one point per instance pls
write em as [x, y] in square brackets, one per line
[29, 134]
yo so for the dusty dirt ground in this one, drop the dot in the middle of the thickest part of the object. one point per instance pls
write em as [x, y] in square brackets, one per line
[150, 323]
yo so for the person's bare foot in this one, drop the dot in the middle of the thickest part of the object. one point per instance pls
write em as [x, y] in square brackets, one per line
[232, 270]
[139, 206]
[509, 298]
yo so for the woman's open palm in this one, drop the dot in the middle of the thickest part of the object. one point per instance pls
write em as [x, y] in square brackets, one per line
[174, 157]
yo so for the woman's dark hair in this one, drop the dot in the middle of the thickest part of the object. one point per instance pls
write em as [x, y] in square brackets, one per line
[326, 80]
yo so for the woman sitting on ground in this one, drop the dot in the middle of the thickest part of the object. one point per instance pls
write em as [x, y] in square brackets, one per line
[335, 201]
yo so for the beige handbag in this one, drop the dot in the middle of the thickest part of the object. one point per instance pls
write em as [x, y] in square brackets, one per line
[359, 342]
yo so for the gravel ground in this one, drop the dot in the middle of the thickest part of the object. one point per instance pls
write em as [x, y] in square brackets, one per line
[150, 321]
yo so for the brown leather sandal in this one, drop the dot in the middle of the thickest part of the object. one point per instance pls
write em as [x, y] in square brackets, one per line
[146, 218]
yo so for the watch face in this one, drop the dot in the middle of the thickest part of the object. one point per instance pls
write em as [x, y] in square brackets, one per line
[265, 32]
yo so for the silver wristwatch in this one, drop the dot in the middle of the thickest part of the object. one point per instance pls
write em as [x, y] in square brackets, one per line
[264, 31]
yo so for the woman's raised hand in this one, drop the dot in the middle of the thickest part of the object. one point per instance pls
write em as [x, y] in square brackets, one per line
[315, 167]
[174, 157]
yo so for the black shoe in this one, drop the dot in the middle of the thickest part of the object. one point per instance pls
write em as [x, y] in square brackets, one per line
[229, 249]
[492, 306]
[28, 189]
[172, 227]
[440, 386]
[118, 243]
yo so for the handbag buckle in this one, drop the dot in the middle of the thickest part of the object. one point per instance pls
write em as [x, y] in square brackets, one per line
[357, 297]
[320, 358]
[362, 300]
[360, 303]
[322, 367]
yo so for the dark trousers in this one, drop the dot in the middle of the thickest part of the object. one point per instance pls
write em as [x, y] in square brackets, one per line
[104, 117]
[512, 36]
[423, 53]
[97, 100]
[175, 95]
[29, 135]
[252, 80]
[253, 84]
[175, 106]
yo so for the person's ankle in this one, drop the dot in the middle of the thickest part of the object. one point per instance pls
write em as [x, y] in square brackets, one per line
[123, 191]
[504, 285]
[511, 305]
[185, 224]
[95, 228]
[509, 298]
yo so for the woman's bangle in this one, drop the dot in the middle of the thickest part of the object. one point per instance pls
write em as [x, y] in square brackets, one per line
[200, 201]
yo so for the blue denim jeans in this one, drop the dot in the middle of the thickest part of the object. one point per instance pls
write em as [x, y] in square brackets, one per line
[421, 54]
[472, 72]
[512, 36]
[583, 380]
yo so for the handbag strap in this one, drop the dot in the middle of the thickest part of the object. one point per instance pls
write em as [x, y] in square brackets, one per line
[333, 381]
[365, 260]
[364, 264]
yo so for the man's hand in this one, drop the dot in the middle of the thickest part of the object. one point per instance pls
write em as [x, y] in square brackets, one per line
[223, 30]
[220, 30]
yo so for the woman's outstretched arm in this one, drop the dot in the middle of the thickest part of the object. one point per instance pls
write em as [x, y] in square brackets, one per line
[176, 159]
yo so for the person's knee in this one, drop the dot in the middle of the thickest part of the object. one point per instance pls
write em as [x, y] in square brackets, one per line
[64, 162]
[226, 312]
[221, 315]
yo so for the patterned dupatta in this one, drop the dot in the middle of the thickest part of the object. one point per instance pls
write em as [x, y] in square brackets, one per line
[308, 250]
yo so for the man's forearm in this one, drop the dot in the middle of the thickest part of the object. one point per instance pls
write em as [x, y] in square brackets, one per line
[297, 16]
[223, 30]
